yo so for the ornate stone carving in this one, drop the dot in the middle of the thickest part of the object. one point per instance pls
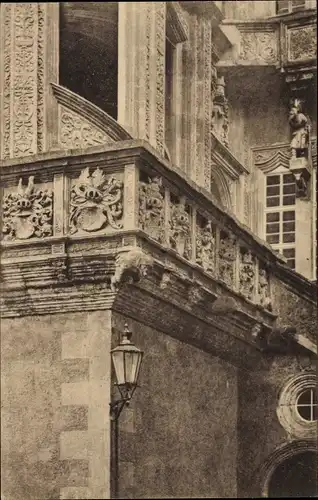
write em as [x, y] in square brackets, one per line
[96, 202]
[195, 294]
[60, 269]
[247, 275]
[259, 46]
[300, 131]
[165, 280]
[302, 43]
[27, 213]
[220, 119]
[130, 267]
[263, 290]
[227, 256]
[180, 230]
[76, 132]
[160, 41]
[205, 247]
[151, 208]
[25, 79]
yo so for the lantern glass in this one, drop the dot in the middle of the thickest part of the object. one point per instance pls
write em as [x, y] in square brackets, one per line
[126, 360]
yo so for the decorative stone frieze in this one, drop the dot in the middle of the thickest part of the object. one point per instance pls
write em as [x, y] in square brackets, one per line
[302, 43]
[27, 213]
[28, 64]
[130, 267]
[76, 132]
[247, 274]
[227, 257]
[180, 238]
[96, 202]
[151, 208]
[259, 46]
[264, 295]
[165, 280]
[205, 247]
[195, 295]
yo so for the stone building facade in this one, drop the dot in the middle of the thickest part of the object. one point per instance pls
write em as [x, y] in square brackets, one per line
[158, 168]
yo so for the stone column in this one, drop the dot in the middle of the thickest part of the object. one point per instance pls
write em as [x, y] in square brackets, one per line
[29, 62]
[141, 70]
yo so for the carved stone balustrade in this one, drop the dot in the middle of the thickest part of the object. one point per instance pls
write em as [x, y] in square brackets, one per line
[281, 41]
[79, 227]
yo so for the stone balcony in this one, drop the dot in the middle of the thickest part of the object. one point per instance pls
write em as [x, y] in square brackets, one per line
[116, 226]
[285, 41]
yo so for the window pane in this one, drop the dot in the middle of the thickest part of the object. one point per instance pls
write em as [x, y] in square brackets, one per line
[272, 191]
[290, 215]
[298, 4]
[289, 189]
[305, 398]
[282, 6]
[289, 252]
[273, 202]
[272, 228]
[288, 200]
[288, 179]
[272, 238]
[315, 411]
[315, 398]
[304, 412]
[288, 227]
[291, 263]
[289, 238]
[274, 217]
[272, 180]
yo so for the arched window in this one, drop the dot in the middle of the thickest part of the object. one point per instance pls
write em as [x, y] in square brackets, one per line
[295, 477]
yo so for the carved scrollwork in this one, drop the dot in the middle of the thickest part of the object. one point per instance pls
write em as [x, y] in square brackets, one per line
[27, 213]
[247, 275]
[205, 247]
[130, 267]
[151, 208]
[263, 289]
[76, 132]
[302, 43]
[96, 202]
[180, 230]
[259, 46]
[165, 280]
[227, 257]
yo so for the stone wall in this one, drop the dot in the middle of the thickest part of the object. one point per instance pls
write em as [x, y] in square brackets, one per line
[178, 438]
[55, 396]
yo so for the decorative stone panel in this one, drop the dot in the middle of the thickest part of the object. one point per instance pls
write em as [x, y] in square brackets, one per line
[264, 295]
[302, 43]
[247, 274]
[206, 245]
[96, 202]
[180, 229]
[76, 132]
[151, 208]
[260, 46]
[27, 44]
[227, 258]
[27, 212]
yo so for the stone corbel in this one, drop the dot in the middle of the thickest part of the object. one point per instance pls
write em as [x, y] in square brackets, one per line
[224, 305]
[281, 340]
[130, 267]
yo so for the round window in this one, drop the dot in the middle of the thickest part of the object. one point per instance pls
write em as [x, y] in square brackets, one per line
[307, 404]
[297, 408]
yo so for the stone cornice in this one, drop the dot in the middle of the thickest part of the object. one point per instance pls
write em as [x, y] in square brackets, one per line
[206, 9]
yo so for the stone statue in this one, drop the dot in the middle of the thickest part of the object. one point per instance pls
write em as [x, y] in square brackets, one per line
[300, 131]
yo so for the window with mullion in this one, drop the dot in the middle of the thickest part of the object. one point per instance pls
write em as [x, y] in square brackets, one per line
[285, 6]
[280, 215]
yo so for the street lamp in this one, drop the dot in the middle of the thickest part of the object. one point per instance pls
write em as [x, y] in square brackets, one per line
[126, 359]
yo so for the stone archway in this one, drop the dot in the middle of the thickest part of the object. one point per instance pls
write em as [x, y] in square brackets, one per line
[295, 477]
[290, 455]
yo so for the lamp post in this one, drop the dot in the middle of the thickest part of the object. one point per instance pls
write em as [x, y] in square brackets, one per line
[126, 359]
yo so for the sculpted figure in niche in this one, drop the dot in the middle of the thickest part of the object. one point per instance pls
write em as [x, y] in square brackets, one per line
[300, 131]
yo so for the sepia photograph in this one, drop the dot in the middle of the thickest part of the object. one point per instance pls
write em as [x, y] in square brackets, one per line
[158, 172]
